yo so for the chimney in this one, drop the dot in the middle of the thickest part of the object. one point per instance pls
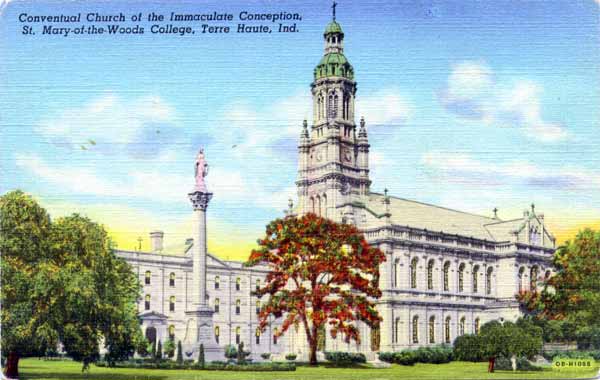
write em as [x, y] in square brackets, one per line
[156, 241]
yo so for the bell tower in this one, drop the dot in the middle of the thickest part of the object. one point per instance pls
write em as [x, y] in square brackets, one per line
[333, 172]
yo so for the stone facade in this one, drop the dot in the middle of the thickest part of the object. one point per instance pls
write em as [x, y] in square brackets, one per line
[446, 273]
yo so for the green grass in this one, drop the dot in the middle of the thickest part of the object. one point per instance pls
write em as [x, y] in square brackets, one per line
[53, 370]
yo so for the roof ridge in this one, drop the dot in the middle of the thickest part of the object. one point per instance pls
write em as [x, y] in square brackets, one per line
[436, 206]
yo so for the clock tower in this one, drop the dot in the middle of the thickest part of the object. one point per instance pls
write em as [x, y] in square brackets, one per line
[333, 172]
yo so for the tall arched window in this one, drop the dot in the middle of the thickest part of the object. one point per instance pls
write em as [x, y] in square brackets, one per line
[333, 106]
[147, 277]
[257, 334]
[475, 278]
[172, 303]
[238, 283]
[430, 266]
[533, 277]
[488, 280]
[396, 273]
[413, 273]
[447, 330]
[238, 306]
[275, 335]
[257, 283]
[447, 276]
[217, 282]
[375, 338]
[257, 307]
[318, 205]
[521, 279]
[324, 213]
[461, 277]
[217, 333]
[396, 330]
[320, 106]
[217, 305]
[172, 279]
[461, 327]
[238, 335]
[432, 329]
[415, 329]
[147, 302]
[476, 325]
[172, 332]
[312, 205]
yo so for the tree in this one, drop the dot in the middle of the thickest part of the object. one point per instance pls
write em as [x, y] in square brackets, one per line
[321, 272]
[230, 352]
[169, 348]
[201, 358]
[179, 353]
[61, 282]
[572, 294]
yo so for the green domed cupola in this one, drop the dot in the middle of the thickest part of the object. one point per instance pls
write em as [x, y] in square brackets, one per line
[334, 63]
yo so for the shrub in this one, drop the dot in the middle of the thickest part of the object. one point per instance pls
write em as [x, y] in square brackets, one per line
[230, 352]
[169, 349]
[339, 358]
[406, 357]
[291, 357]
[265, 355]
[201, 361]
[241, 354]
[179, 353]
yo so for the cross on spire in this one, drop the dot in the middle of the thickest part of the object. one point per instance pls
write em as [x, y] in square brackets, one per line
[333, 8]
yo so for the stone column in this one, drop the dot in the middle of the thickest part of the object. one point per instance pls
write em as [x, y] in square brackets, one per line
[199, 201]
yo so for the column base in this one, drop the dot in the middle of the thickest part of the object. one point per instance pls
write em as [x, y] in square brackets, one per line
[200, 330]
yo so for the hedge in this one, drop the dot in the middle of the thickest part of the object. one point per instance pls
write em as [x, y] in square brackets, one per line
[340, 358]
[432, 355]
[215, 365]
[573, 354]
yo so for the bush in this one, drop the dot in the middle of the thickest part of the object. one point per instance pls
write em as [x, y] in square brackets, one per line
[291, 357]
[341, 359]
[433, 355]
[216, 365]
[573, 354]
[230, 352]
[406, 357]
[504, 364]
[265, 355]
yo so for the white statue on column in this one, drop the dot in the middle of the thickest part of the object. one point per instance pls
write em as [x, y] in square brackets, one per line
[201, 171]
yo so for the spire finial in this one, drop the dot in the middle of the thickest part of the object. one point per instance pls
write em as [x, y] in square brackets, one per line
[533, 208]
[333, 8]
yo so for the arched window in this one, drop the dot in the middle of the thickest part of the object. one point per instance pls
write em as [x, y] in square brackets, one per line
[432, 329]
[430, 265]
[238, 335]
[521, 279]
[415, 329]
[172, 279]
[397, 273]
[324, 213]
[147, 302]
[275, 335]
[257, 307]
[396, 330]
[217, 305]
[461, 327]
[238, 305]
[312, 205]
[217, 282]
[533, 277]
[320, 107]
[475, 277]
[333, 100]
[461, 277]
[447, 330]
[172, 303]
[488, 280]
[447, 276]
[217, 333]
[375, 338]
[413, 273]
[257, 334]
[318, 203]
[148, 277]
[172, 332]
[257, 283]
[238, 283]
[476, 325]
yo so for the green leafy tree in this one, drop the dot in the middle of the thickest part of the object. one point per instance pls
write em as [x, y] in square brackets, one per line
[572, 294]
[230, 352]
[169, 348]
[179, 353]
[321, 272]
[61, 282]
[201, 359]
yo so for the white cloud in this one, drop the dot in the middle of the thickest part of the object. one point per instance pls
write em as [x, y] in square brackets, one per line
[384, 107]
[472, 93]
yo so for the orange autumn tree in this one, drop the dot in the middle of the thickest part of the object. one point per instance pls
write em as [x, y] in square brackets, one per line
[321, 272]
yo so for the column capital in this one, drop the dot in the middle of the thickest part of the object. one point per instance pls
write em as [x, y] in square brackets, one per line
[199, 200]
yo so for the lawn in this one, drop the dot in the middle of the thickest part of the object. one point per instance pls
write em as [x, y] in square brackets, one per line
[40, 369]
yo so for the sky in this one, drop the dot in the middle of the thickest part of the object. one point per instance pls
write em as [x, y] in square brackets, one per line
[470, 105]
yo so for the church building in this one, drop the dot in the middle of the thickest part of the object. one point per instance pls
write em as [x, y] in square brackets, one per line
[447, 272]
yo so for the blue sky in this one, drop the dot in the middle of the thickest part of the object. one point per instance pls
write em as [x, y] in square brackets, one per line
[469, 104]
